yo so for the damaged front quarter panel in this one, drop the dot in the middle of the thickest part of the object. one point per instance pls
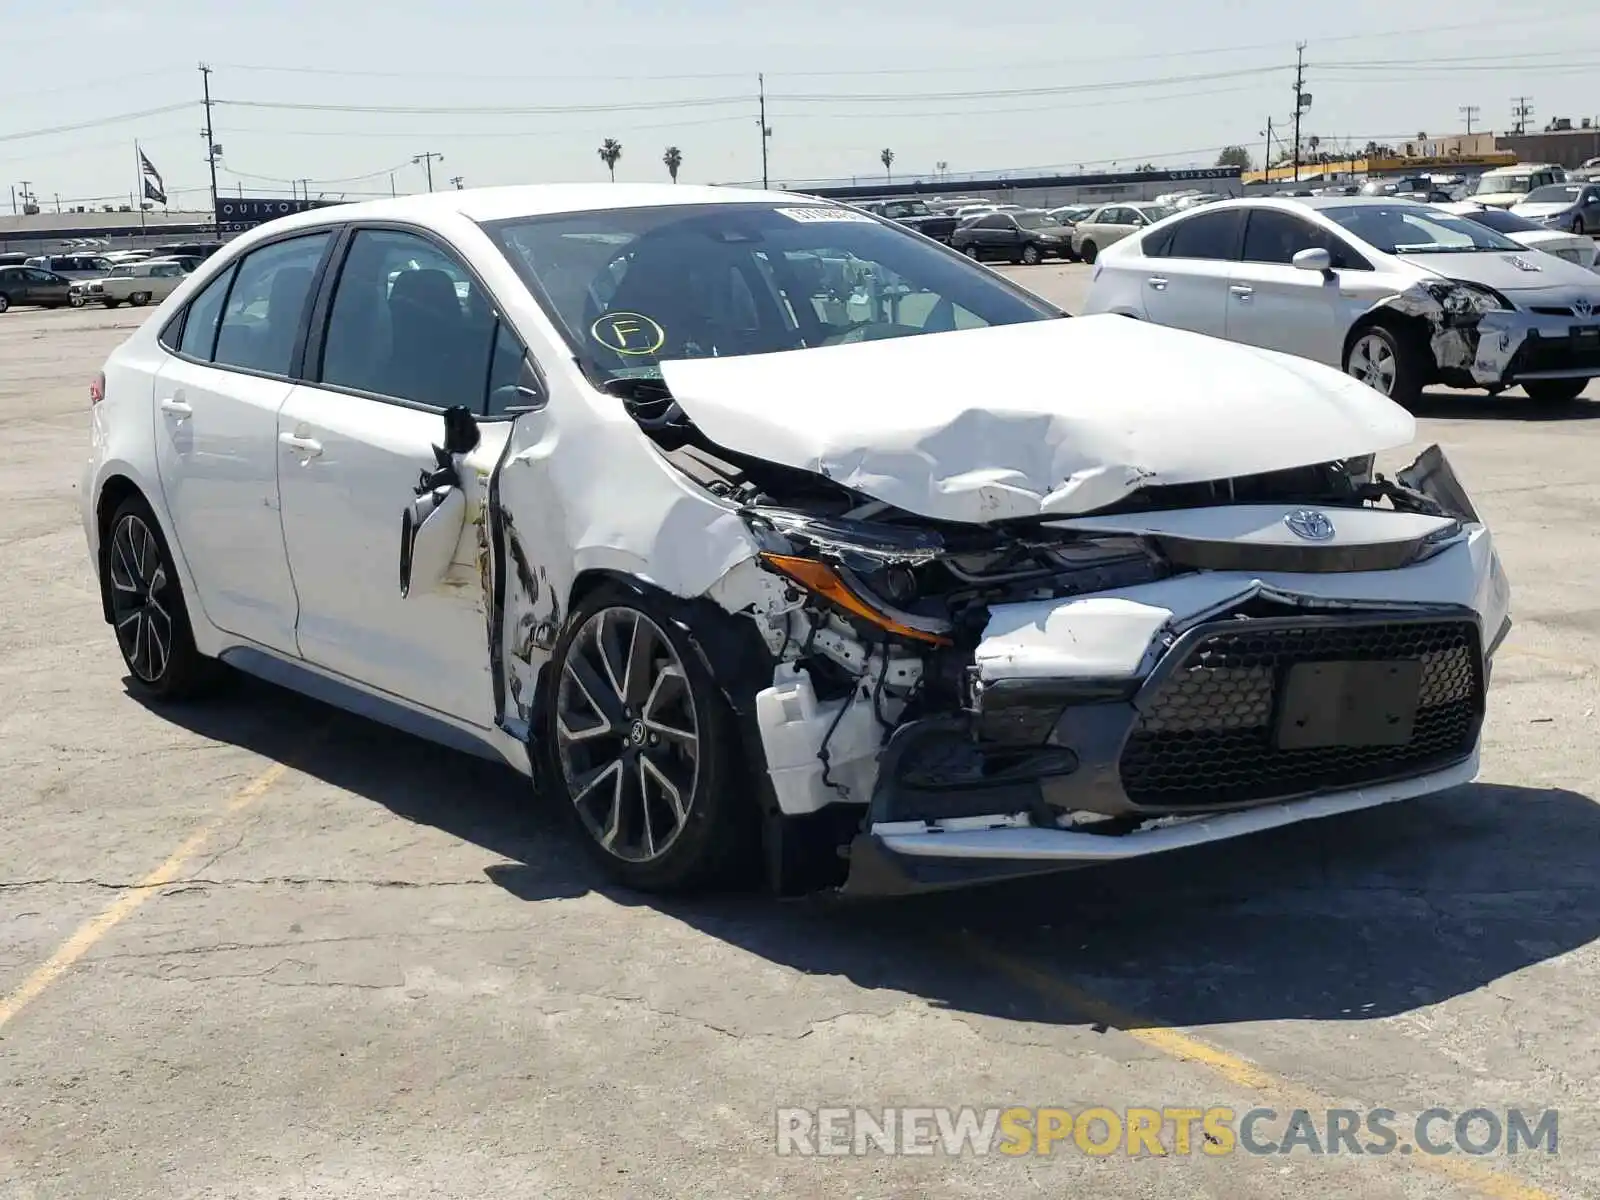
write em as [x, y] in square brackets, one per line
[1468, 341]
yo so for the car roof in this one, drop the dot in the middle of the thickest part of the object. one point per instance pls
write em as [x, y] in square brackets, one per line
[537, 200]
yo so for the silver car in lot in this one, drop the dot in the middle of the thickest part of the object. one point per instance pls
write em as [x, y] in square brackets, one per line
[1398, 293]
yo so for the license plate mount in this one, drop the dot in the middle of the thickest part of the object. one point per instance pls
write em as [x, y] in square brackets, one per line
[1585, 337]
[1326, 704]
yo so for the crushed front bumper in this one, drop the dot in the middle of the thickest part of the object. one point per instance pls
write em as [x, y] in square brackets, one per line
[1266, 702]
[1508, 348]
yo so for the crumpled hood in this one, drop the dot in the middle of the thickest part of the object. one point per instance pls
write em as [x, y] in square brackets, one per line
[1508, 271]
[1047, 417]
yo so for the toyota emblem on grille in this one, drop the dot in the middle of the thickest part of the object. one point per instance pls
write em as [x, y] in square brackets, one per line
[1583, 308]
[1309, 524]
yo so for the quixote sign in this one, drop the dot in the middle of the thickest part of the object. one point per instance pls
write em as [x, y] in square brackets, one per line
[236, 216]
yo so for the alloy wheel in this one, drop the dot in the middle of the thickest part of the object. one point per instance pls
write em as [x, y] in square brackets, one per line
[627, 737]
[5, 302]
[1372, 360]
[141, 599]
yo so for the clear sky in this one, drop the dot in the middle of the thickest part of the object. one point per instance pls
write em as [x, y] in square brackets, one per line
[979, 86]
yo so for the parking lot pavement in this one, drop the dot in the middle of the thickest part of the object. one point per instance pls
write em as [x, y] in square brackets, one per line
[360, 966]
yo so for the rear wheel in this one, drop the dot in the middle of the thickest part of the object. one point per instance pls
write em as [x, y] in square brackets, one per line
[147, 607]
[644, 748]
[1554, 391]
[1386, 362]
[1089, 252]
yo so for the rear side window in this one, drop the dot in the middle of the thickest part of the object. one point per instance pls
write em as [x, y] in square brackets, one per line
[267, 306]
[1276, 237]
[1212, 235]
[205, 311]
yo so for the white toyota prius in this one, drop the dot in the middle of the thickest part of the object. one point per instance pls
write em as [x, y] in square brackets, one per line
[759, 530]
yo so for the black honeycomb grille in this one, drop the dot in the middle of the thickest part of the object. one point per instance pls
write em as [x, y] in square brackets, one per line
[1205, 735]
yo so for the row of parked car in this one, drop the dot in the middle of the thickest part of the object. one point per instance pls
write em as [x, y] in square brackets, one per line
[76, 276]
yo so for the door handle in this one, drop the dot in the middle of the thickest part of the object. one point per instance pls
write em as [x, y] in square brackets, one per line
[176, 407]
[309, 447]
[1244, 293]
[1157, 283]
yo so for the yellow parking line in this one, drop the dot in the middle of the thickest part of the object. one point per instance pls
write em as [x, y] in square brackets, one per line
[92, 930]
[1238, 1071]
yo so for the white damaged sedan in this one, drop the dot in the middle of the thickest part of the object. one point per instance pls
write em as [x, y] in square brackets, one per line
[756, 529]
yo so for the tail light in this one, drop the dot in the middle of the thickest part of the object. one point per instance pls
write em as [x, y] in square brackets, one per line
[97, 388]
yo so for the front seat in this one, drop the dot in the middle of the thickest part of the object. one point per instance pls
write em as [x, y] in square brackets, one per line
[426, 361]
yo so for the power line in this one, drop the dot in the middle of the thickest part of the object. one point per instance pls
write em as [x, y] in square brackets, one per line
[487, 109]
[97, 123]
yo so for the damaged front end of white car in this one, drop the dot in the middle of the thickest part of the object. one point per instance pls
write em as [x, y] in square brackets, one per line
[972, 623]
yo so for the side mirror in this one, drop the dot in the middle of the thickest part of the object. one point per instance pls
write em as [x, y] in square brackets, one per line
[1313, 259]
[430, 530]
[461, 434]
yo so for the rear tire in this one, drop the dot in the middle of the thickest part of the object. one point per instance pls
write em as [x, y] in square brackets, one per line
[1089, 252]
[1388, 362]
[643, 748]
[148, 613]
[1554, 391]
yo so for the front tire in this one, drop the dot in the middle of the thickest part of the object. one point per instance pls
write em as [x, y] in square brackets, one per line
[139, 299]
[1554, 391]
[971, 251]
[1031, 256]
[148, 613]
[1386, 362]
[5, 302]
[644, 748]
[1089, 252]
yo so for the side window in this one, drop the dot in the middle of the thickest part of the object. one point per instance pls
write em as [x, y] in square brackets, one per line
[267, 305]
[408, 321]
[1212, 235]
[1276, 237]
[507, 373]
[989, 223]
[205, 312]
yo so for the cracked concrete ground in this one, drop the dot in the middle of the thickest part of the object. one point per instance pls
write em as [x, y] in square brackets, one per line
[389, 973]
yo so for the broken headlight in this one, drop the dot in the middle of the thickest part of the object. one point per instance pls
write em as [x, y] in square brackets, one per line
[1464, 300]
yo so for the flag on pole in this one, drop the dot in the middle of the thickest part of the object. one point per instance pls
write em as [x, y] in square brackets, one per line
[154, 189]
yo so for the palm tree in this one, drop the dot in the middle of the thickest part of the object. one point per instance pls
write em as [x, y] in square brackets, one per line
[886, 157]
[610, 151]
[674, 159]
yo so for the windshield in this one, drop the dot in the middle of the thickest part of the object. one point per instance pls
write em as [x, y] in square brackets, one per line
[1492, 183]
[1502, 221]
[1555, 193]
[632, 288]
[1156, 211]
[1416, 229]
[906, 208]
[1032, 220]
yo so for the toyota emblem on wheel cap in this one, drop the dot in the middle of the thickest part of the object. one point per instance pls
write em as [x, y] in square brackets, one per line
[1308, 523]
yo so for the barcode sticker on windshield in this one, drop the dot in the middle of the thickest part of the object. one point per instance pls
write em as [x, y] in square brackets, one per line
[825, 214]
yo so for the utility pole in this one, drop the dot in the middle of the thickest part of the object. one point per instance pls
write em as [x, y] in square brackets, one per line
[1470, 111]
[1521, 110]
[458, 180]
[212, 149]
[427, 159]
[766, 130]
[1266, 158]
[1302, 101]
